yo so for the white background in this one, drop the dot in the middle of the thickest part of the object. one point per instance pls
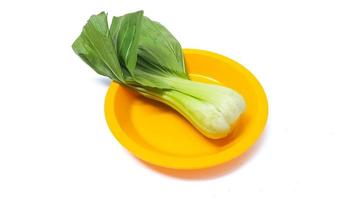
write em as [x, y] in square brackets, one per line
[55, 144]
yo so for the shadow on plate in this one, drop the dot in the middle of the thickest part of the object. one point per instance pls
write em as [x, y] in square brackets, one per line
[213, 172]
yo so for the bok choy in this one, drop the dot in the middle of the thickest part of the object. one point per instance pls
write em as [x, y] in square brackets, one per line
[143, 55]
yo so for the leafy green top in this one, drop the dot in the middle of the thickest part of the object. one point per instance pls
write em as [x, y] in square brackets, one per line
[134, 51]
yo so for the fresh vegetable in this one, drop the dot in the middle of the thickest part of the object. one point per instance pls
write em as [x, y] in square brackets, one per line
[143, 55]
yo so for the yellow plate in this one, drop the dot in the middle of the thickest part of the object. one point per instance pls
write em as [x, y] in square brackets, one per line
[159, 135]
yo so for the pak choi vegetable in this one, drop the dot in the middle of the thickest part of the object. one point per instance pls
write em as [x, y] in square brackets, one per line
[143, 55]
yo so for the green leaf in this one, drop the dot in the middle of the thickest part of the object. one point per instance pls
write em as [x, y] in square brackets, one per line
[85, 51]
[125, 31]
[95, 47]
[159, 50]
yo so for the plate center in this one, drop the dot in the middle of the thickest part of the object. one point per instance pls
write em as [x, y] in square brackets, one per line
[159, 127]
